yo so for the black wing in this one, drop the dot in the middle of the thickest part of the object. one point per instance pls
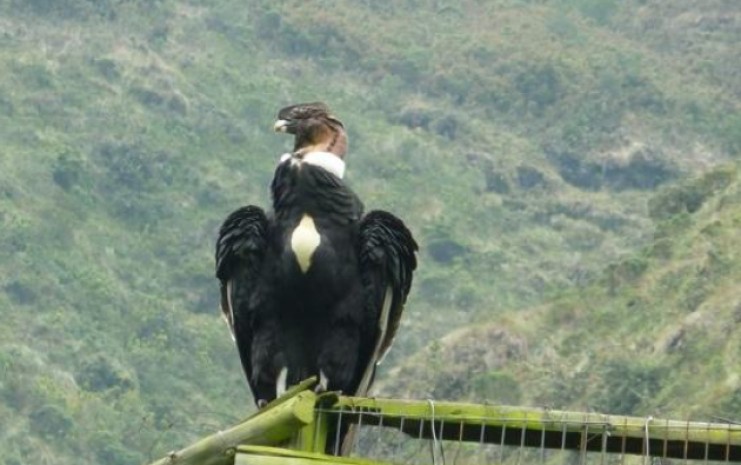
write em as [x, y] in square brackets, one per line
[240, 248]
[387, 260]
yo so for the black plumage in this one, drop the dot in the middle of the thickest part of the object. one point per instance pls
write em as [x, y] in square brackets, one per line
[315, 288]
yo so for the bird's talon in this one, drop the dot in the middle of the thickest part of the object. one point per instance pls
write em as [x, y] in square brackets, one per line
[262, 403]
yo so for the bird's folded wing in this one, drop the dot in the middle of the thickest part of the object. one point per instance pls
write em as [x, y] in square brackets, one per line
[239, 249]
[387, 261]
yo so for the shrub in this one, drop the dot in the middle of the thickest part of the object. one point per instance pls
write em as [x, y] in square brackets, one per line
[101, 372]
[50, 421]
[626, 384]
[539, 85]
[689, 196]
[68, 170]
[496, 385]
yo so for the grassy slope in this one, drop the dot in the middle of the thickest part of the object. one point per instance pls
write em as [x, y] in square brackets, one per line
[657, 334]
[516, 151]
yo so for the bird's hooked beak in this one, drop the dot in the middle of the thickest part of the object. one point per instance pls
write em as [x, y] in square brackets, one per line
[281, 125]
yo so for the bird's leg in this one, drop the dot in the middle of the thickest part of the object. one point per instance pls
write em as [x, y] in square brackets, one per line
[323, 383]
[280, 384]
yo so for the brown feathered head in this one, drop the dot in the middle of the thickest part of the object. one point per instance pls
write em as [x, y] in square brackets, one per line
[314, 127]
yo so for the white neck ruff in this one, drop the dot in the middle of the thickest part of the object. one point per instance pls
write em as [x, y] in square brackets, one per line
[325, 160]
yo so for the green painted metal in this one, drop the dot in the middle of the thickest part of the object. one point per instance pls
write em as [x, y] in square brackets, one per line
[258, 455]
[548, 428]
[314, 437]
[273, 425]
[303, 423]
[305, 385]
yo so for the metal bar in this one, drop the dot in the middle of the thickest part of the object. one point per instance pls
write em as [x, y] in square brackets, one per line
[315, 418]
[271, 426]
[259, 455]
[627, 435]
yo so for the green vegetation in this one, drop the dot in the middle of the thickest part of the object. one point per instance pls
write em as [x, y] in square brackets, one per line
[656, 333]
[567, 167]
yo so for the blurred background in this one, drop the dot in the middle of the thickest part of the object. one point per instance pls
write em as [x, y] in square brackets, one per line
[569, 168]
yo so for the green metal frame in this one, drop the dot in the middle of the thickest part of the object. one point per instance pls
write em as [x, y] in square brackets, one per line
[275, 425]
[294, 430]
[260, 455]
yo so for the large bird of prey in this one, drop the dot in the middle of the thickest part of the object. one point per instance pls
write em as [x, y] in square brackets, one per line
[315, 287]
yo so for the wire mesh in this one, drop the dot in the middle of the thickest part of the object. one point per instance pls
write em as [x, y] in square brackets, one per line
[428, 439]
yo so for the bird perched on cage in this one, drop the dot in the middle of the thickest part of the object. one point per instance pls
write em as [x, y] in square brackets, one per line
[315, 287]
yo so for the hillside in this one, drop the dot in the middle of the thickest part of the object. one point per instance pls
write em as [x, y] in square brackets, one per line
[521, 142]
[657, 333]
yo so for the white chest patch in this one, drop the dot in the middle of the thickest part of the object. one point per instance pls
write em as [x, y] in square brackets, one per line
[304, 241]
[326, 160]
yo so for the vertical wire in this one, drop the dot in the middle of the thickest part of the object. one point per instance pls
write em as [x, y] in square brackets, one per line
[707, 444]
[563, 439]
[317, 427]
[647, 449]
[542, 445]
[356, 436]
[401, 442]
[337, 432]
[522, 443]
[433, 444]
[563, 436]
[379, 441]
[460, 443]
[416, 451]
[433, 452]
[728, 443]
[583, 445]
[686, 441]
[666, 439]
[624, 441]
[501, 442]
[421, 431]
[482, 436]
[605, 433]
[440, 445]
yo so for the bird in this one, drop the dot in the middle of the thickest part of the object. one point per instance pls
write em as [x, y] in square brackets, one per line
[314, 286]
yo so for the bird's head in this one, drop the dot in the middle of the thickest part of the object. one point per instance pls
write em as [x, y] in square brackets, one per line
[314, 128]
